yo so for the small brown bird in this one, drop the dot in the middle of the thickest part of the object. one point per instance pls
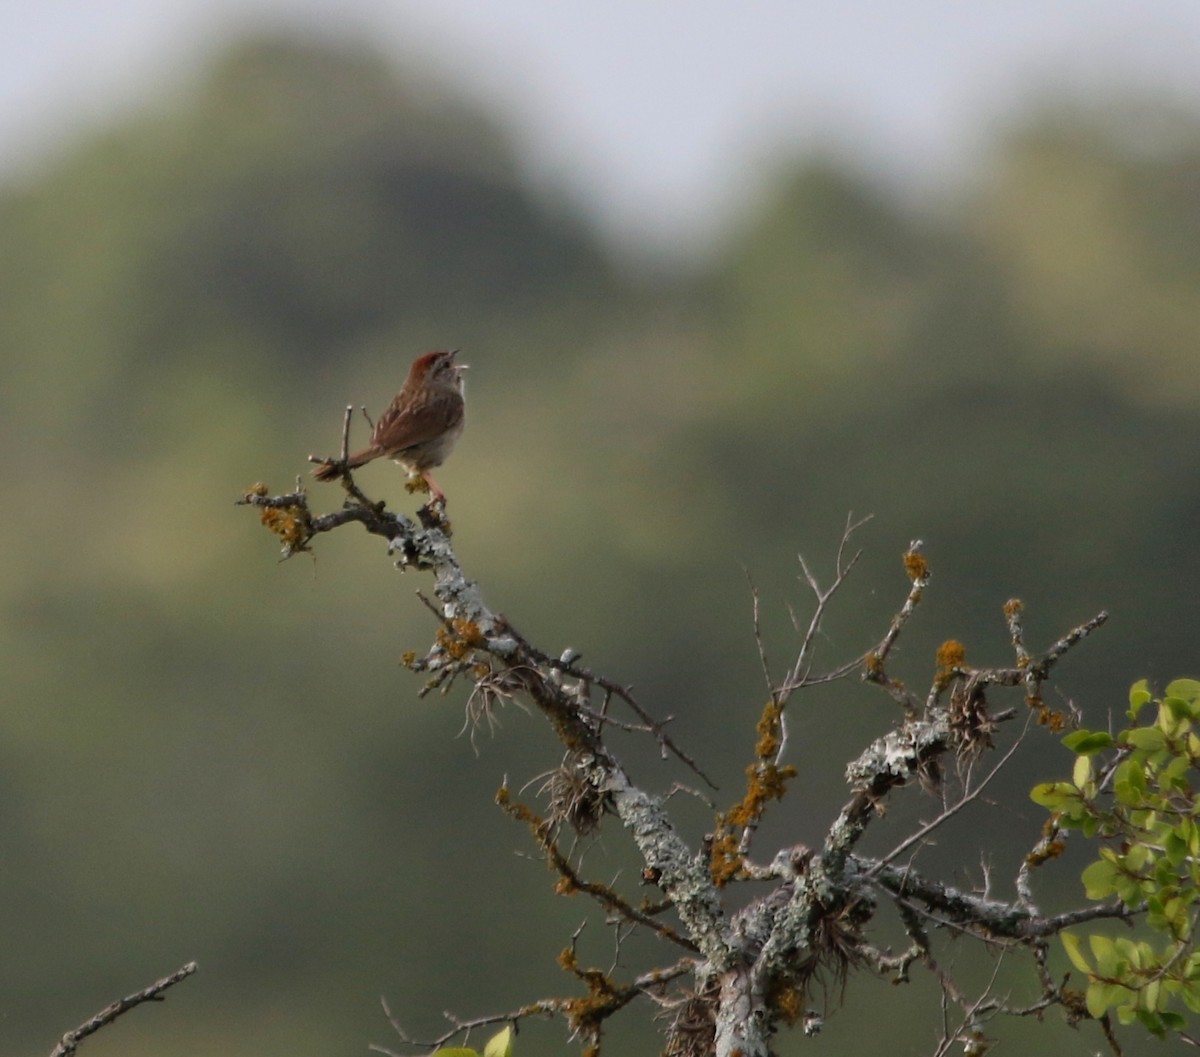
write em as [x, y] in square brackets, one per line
[421, 425]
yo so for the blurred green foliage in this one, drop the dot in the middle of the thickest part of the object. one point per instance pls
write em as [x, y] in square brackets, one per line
[208, 755]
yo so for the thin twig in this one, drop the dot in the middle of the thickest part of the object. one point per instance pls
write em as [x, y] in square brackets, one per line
[799, 675]
[967, 798]
[649, 984]
[875, 659]
[763, 664]
[346, 439]
[154, 993]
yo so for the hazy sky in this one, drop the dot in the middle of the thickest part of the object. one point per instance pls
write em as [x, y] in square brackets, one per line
[660, 111]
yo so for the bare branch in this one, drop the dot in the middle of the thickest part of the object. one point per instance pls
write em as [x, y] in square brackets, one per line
[758, 639]
[799, 675]
[154, 993]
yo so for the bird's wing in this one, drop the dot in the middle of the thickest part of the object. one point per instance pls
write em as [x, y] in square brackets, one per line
[402, 425]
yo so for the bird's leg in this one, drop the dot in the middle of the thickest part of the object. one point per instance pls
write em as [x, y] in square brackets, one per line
[436, 494]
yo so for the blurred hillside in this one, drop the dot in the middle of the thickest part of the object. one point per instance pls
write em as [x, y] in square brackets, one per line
[209, 755]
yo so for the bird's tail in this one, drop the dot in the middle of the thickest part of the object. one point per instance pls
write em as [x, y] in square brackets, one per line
[331, 469]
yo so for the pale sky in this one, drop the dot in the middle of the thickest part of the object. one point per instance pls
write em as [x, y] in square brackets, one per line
[658, 112]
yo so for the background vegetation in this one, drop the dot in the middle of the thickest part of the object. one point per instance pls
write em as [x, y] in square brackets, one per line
[207, 755]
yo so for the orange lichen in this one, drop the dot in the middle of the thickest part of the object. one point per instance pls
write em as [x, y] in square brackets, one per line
[951, 656]
[586, 1015]
[1052, 850]
[916, 566]
[765, 781]
[518, 810]
[767, 728]
[289, 523]
[789, 1002]
[724, 860]
[460, 638]
[1055, 722]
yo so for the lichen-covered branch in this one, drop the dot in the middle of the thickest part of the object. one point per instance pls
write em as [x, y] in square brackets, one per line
[751, 969]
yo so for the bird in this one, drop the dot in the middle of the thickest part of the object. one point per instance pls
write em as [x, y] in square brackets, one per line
[420, 426]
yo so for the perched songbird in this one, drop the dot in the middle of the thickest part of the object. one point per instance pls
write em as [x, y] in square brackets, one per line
[421, 425]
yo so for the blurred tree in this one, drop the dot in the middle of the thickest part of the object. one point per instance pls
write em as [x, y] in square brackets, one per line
[1095, 224]
[303, 202]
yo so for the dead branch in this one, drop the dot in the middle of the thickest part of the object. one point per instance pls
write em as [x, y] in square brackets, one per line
[154, 993]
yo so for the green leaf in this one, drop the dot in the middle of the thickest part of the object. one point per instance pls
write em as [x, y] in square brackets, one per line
[1104, 950]
[1129, 782]
[1191, 996]
[1088, 742]
[1073, 945]
[1176, 848]
[1187, 689]
[1099, 880]
[500, 1044]
[1174, 774]
[1139, 695]
[1148, 739]
[1181, 711]
[1129, 889]
[1137, 857]
[1053, 795]
[1149, 996]
[1191, 968]
[1150, 1021]
[1100, 996]
[1081, 774]
[455, 1051]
